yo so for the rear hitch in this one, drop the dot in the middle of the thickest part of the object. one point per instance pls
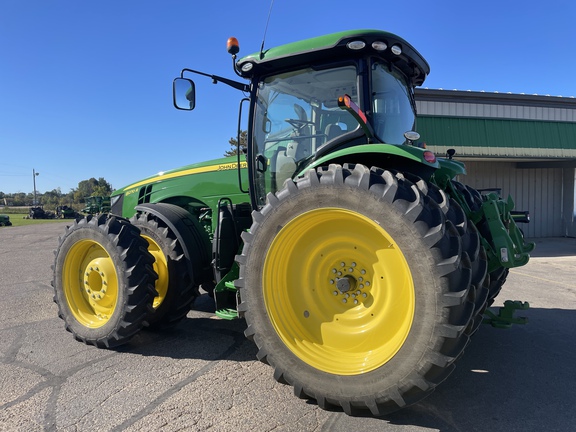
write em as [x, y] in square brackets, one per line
[504, 317]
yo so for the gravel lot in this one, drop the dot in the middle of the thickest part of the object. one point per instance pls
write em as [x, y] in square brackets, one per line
[203, 375]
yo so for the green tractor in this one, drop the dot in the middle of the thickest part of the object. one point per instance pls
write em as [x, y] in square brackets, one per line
[96, 204]
[65, 212]
[361, 266]
[5, 220]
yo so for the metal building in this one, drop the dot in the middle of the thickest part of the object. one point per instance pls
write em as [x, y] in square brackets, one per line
[523, 144]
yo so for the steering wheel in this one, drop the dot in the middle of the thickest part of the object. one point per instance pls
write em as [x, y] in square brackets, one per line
[299, 124]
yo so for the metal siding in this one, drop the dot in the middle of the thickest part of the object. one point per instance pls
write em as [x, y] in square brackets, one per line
[537, 190]
[498, 137]
[502, 111]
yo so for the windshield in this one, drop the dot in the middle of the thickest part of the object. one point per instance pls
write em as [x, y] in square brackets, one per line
[297, 113]
[393, 112]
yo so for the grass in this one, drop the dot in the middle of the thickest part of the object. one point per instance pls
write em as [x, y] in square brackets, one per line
[17, 219]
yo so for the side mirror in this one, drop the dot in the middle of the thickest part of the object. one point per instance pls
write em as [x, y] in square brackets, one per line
[184, 94]
[411, 136]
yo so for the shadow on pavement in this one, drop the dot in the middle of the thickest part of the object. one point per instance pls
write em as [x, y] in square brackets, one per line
[202, 337]
[520, 378]
[553, 247]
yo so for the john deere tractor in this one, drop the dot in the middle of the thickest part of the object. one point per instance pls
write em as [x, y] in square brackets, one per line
[361, 265]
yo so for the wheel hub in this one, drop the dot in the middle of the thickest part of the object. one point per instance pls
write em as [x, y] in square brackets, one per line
[351, 281]
[95, 283]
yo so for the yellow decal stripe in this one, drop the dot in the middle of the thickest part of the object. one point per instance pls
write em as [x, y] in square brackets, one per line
[209, 168]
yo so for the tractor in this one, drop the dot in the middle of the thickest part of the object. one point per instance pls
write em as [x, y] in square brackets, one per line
[361, 263]
[5, 220]
[96, 204]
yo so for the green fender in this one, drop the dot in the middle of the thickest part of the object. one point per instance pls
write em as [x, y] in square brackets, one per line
[415, 154]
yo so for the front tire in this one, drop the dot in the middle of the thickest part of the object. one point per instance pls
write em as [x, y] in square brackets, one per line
[103, 280]
[354, 290]
[175, 286]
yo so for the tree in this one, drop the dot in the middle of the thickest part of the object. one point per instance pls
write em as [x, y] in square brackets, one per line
[234, 144]
[92, 187]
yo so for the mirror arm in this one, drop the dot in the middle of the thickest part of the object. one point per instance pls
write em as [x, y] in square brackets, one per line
[216, 79]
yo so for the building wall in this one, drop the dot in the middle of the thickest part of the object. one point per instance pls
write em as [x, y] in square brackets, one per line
[496, 110]
[524, 144]
[538, 190]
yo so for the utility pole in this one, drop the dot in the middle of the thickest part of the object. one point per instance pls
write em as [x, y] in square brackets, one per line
[34, 174]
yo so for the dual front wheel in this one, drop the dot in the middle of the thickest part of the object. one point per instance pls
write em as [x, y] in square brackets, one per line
[112, 277]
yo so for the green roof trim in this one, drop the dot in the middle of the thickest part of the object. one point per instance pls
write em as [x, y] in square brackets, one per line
[313, 44]
[333, 47]
[498, 137]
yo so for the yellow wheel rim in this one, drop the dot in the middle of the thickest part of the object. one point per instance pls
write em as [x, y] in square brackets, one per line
[338, 291]
[90, 283]
[161, 269]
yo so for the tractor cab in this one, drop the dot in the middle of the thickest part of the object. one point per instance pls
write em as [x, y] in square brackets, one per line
[313, 98]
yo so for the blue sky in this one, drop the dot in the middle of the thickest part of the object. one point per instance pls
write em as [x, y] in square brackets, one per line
[85, 87]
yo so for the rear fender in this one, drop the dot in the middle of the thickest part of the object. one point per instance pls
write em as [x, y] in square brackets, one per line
[377, 155]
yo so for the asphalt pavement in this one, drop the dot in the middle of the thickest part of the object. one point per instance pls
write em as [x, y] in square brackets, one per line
[203, 375]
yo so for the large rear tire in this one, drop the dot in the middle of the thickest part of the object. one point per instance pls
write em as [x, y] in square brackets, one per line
[103, 280]
[354, 289]
[471, 247]
[496, 278]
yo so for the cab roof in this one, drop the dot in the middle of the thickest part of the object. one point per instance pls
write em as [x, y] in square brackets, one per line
[336, 46]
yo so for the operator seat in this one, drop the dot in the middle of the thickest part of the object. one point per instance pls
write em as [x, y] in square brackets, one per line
[332, 131]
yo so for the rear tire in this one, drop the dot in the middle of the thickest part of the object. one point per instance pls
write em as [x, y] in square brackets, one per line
[471, 246]
[497, 277]
[395, 334]
[103, 280]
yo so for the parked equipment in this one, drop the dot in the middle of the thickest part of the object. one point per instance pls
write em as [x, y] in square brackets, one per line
[361, 265]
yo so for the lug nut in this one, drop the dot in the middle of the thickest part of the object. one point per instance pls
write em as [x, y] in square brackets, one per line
[334, 270]
[344, 301]
[355, 301]
[350, 270]
[353, 264]
[331, 281]
[335, 293]
[364, 295]
[342, 264]
[363, 271]
[367, 283]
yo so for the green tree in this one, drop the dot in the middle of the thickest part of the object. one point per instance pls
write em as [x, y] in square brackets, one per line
[234, 144]
[92, 187]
